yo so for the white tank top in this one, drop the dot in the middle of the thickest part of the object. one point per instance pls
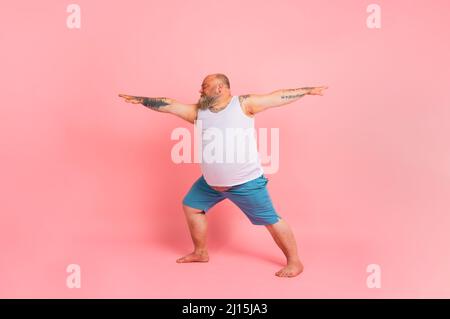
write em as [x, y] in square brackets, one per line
[229, 154]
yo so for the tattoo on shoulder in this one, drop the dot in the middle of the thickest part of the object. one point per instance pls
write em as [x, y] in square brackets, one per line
[242, 98]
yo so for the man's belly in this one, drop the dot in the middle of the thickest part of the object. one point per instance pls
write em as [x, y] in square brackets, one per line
[221, 188]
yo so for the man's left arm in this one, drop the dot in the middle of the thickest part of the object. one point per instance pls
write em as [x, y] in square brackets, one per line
[255, 103]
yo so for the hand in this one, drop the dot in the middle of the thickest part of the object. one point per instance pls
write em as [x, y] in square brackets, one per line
[132, 99]
[317, 90]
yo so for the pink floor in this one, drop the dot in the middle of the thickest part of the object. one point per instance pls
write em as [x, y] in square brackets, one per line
[242, 265]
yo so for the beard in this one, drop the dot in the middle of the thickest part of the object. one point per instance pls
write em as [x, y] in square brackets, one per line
[205, 102]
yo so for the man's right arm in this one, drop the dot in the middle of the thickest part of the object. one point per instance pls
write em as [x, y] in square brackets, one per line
[187, 112]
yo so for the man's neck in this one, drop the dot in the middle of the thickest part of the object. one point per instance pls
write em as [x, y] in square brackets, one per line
[222, 102]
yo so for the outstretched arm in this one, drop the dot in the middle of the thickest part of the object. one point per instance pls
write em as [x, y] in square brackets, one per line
[187, 112]
[255, 103]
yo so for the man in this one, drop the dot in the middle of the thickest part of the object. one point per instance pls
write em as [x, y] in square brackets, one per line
[244, 183]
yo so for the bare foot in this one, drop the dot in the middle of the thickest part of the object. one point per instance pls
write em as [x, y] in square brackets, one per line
[194, 257]
[292, 269]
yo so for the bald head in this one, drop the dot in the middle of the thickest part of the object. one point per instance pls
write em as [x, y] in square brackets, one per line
[222, 78]
[217, 78]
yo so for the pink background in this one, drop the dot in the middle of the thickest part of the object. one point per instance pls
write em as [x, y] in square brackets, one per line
[87, 179]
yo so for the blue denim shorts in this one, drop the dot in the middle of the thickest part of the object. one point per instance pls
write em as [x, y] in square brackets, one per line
[251, 197]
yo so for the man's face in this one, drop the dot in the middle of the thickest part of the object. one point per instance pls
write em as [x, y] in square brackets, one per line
[208, 94]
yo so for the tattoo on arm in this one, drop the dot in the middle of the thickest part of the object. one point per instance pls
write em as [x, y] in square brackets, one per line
[154, 103]
[305, 88]
[287, 97]
[300, 93]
